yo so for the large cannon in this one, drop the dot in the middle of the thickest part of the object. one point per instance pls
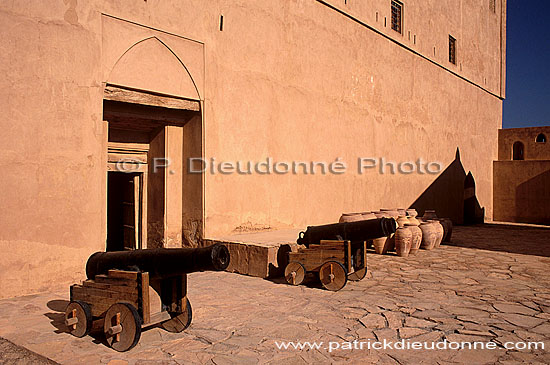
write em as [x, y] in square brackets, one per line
[352, 231]
[337, 252]
[131, 290]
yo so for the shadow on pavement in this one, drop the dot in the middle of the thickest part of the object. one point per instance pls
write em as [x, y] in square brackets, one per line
[57, 320]
[522, 240]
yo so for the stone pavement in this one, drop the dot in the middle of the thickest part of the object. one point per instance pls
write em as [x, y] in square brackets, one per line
[491, 284]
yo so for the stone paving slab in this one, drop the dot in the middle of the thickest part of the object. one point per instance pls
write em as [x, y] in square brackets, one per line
[18, 355]
[472, 290]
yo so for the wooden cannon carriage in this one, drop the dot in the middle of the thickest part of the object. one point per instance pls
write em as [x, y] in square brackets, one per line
[129, 301]
[338, 251]
[334, 261]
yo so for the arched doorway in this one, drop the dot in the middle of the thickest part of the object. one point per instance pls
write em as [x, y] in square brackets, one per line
[518, 151]
[153, 115]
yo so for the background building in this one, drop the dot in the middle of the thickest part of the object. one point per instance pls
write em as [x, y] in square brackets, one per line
[522, 176]
[89, 85]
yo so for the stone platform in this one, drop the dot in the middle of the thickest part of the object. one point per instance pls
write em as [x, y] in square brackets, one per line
[260, 254]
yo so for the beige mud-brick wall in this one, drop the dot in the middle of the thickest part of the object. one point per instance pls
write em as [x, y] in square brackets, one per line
[288, 97]
[522, 191]
[533, 150]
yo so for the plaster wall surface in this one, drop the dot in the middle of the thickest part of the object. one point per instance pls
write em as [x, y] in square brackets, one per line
[522, 191]
[533, 150]
[292, 80]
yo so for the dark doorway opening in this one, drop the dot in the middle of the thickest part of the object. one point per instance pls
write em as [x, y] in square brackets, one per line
[518, 153]
[124, 205]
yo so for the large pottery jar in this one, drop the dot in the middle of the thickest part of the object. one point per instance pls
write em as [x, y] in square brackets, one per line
[429, 214]
[380, 245]
[448, 228]
[367, 216]
[416, 239]
[411, 216]
[389, 244]
[439, 232]
[428, 235]
[391, 212]
[402, 220]
[350, 217]
[402, 211]
[403, 239]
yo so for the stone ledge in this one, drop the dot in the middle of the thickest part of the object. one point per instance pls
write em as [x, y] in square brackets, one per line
[261, 255]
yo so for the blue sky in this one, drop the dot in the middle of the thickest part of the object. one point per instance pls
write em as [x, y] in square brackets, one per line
[527, 101]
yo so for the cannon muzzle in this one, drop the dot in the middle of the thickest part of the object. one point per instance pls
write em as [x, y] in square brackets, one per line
[160, 262]
[352, 231]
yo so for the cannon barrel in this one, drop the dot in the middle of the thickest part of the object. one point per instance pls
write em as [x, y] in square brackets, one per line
[352, 231]
[160, 262]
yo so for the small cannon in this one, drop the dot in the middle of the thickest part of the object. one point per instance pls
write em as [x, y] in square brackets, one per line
[131, 290]
[337, 252]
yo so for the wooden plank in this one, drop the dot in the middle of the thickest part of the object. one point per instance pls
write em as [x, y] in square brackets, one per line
[99, 310]
[115, 281]
[348, 257]
[112, 287]
[159, 317]
[122, 274]
[101, 303]
[136, 158]
[81, 291]
[137, 201]
[137, 167]
[332, 242]
[182, 300]
[127, 147]
[145, 305]
[142, 117]
[127, 95]
[364, 253]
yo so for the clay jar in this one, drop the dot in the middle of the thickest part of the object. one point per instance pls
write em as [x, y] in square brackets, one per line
[350, 217]
[380, 245]
[402, 211]
[428, 236]
[402, 220]
[412, 217]
[416, 239]
[448, 228]
[403, 240]
[429, 214]
[391, 212]
[438, 232]
[389, 242]
[367, 216]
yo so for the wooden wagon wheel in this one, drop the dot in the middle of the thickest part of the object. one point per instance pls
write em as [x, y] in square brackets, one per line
[122, 326]
[78, 318]
[359, 266]
[333, 275]
[295, 273]
[179, 321]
